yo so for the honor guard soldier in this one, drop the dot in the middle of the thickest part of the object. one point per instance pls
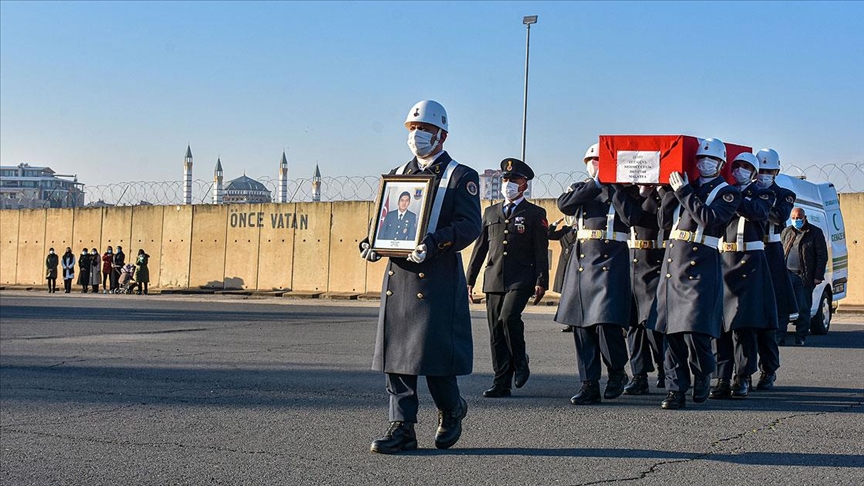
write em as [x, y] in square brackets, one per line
[689, 305]
[595, 299]
[424, 324]
[748, 295]
[787, 308]
[514, 246]
[646, 256]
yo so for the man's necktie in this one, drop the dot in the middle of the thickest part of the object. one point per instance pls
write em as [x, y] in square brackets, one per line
[508, 208]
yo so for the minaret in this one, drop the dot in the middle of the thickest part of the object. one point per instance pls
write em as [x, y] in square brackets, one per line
[283, 179]
[316, 185]
[187, 176]
[217, 182]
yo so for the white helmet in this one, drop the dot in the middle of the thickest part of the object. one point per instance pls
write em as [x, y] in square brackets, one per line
[712, 147]
[748, 158]
[768, 159]
[592, 152]
[428, 111]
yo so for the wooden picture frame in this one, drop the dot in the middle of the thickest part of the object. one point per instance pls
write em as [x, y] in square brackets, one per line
[408, 196]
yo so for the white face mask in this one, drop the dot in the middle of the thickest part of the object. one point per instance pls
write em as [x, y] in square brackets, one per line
[593, 168]
[420, 142]
[510, 191]
[742, 175]
[50, 252]
[707, 167]
[765, 180]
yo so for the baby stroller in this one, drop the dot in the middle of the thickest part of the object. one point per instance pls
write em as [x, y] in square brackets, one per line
[126, 281]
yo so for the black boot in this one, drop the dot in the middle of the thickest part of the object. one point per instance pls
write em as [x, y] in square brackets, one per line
[741, 386]
[615, 385]
[766, 381]
[589, 394]
[637, 386]
[701, 388]
[721, 390]
[674, 400]
[399, 437]
[450, 425]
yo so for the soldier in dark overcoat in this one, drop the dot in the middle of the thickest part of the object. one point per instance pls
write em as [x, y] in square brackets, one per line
[424, 324]
[514, 247]
[689, 305]
[748, 294]
[563, 232]
[595, 299]
[646, 257]
[787, 307]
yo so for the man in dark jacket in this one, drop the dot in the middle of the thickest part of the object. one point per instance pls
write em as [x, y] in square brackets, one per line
[424, 323]
[514, 238]
[806, 256]
[117, 264]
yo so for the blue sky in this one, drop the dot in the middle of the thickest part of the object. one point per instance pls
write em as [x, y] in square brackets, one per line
[113, 91]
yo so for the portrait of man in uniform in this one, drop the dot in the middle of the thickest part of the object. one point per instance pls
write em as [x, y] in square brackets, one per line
[403, 208]
[400, 224]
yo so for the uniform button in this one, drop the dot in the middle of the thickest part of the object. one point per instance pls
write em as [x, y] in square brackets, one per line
[692, 262]
[695, 248]
[690, 277]
[506, 231]
[506, 220]
[391, 272]
[504, 242]
[671, 245]
[635, 260]
[605, 241]
[744, 276]
[505, 253]
[581, 255]
[421, 275]
[389, 292]
[668, 275]
[581, 269]
[605, 256]
[669, 260]
[419, 295]
[605, 269]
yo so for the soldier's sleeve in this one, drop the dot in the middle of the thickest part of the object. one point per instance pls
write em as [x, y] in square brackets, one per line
[719, 212]
[541, 248]
[556, 233]
[666, 212]
[756, 208]
[628, 209]
[782, 208]
[478, 256]
[465, 222]
[577, 194]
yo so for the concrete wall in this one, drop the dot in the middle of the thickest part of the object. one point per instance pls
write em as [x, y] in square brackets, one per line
[302, 246]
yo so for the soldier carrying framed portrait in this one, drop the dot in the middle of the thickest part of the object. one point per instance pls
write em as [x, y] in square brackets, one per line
[401, 219]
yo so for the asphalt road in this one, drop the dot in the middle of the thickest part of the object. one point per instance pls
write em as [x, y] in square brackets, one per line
[101, 389]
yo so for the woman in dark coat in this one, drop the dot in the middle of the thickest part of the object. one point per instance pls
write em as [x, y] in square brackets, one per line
[51, 263]
[84, 270]
[95, 270]
[107, 265]
[142, 272]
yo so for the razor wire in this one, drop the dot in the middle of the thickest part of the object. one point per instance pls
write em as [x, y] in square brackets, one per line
[848, 177]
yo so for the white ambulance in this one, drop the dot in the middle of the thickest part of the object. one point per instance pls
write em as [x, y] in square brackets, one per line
[822, 206]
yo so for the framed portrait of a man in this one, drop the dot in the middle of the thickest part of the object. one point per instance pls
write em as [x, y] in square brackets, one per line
[402, 215]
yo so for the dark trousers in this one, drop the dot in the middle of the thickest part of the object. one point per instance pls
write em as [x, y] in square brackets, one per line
[67, 285]
[804, 298]
[736, 353]
[507, 333]
[115, 278]
[600, 341]
[106, 280]
[769, 353]
[646, 348]
[403, 395]
[52, 284]
[687, 352]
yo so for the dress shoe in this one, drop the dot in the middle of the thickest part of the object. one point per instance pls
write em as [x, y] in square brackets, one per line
[661, 379]
[589, 394]
[522, 374]
[674, 400]
[450, 425]
[721, 390]
[799, 341]
[567, 329]
[399, 437]
[615, 385]
[741, 386]
[637, 386]
[496, 392]
[766, 381]
[701, 388]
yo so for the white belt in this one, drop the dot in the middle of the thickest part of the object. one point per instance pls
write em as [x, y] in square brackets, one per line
[772, 238]
[747, 246]
[690, 236]
[586, 234]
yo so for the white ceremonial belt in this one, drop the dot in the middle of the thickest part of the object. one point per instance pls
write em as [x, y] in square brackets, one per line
[690, 236]
[586, 234]
[772, 238]
[747, 246]
[642, 244]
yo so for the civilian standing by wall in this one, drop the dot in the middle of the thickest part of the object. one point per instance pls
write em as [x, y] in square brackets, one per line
[84, 270]
[68, 264]
[51, 263]
[117, 267]
[95, 267]
[107, 263]
[142, 272]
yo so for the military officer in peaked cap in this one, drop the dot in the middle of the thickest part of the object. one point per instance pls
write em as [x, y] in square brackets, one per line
[424, 324]
[748, 295]
[595, 299]
[689, 304]
[514, 246]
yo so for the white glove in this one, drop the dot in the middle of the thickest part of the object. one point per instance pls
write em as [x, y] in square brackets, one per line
[368, 253]
[677, 180]
[418, 255]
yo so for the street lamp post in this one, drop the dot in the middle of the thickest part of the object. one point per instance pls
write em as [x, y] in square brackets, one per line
[527, 21]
